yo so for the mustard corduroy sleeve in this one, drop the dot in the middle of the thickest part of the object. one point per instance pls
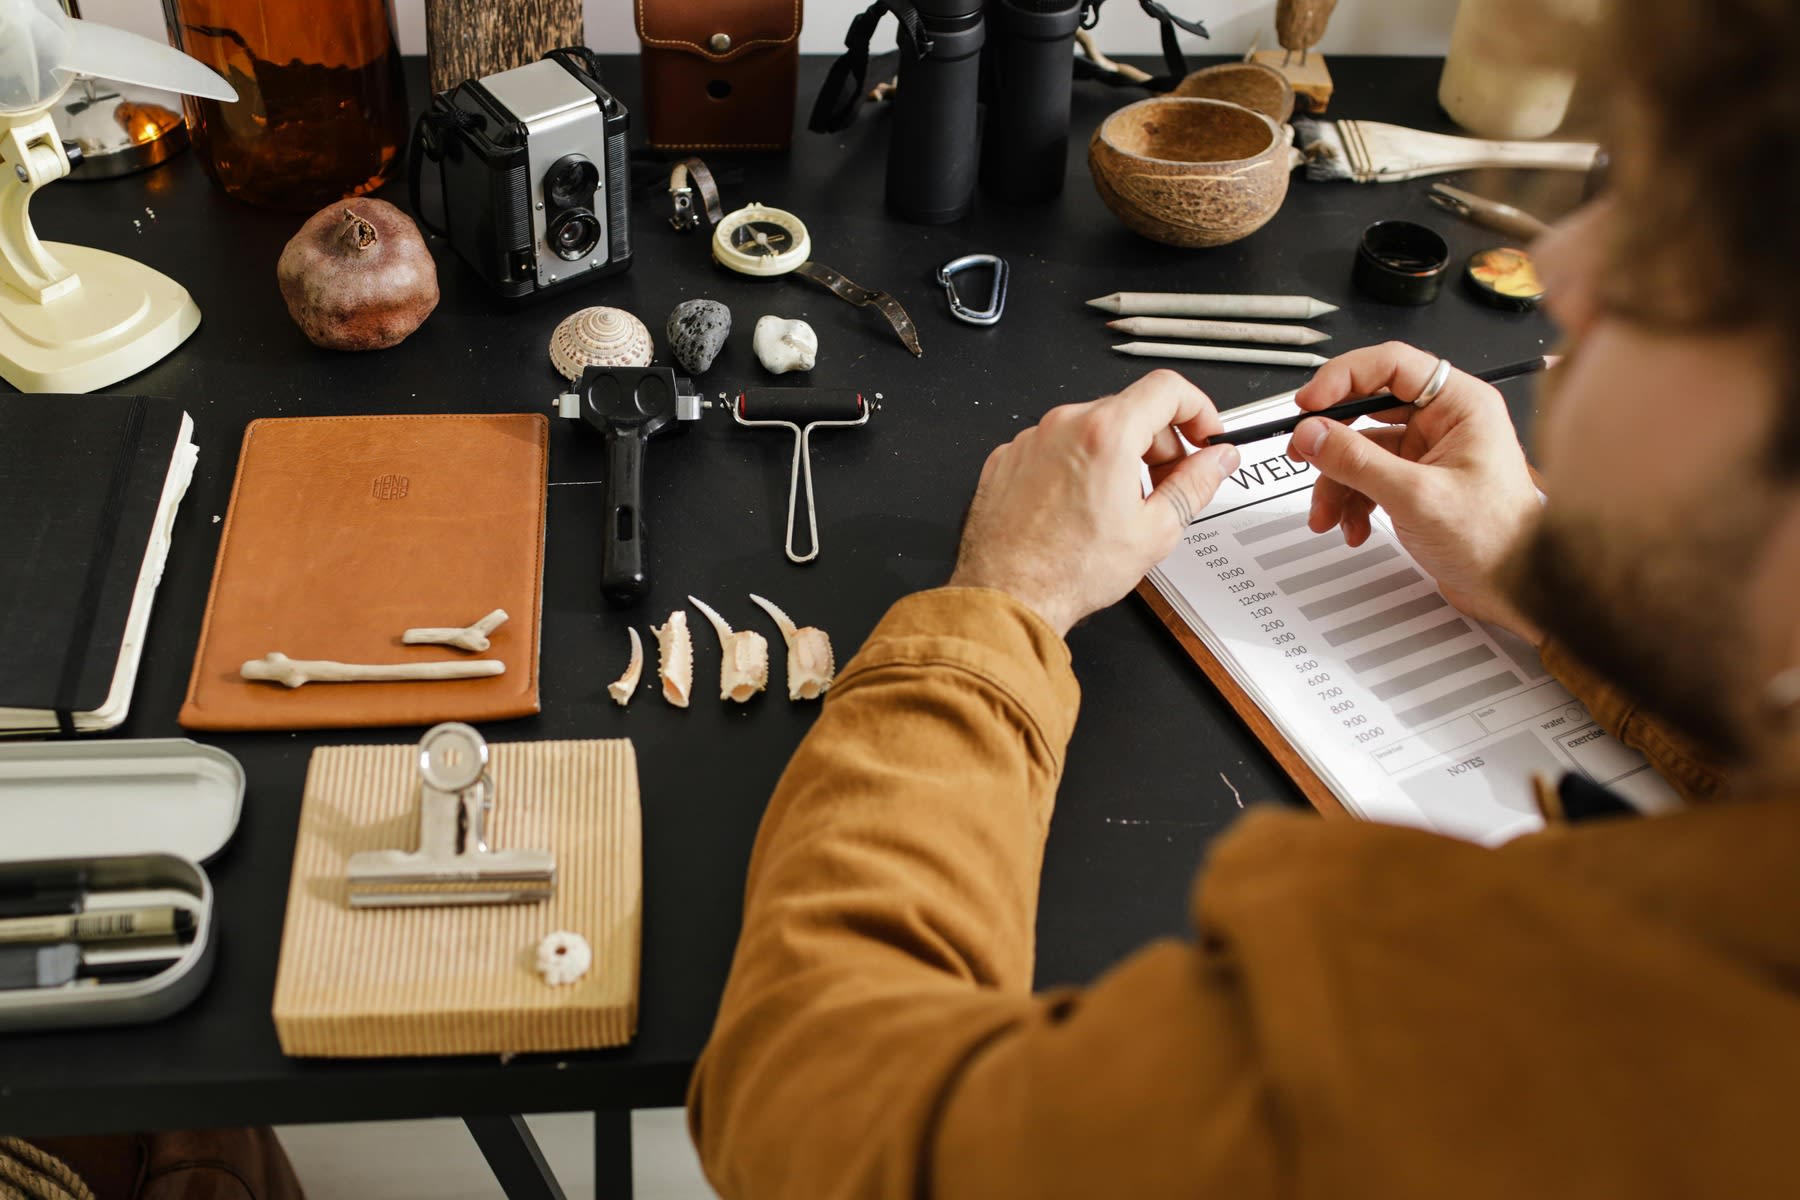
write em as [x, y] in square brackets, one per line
[878, 1036]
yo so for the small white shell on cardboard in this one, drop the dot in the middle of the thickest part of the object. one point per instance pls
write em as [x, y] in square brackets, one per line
[599, 337]
[563, 957]
[782, 345]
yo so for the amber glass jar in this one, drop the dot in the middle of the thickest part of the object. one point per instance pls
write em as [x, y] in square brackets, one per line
[321, 107]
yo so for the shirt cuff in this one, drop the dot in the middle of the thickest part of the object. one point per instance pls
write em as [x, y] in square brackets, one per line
[988, 634]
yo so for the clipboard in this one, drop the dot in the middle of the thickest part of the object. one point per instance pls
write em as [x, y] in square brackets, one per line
[1305, 778]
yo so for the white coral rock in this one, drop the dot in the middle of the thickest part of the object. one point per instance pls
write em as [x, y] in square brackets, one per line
[782, 345]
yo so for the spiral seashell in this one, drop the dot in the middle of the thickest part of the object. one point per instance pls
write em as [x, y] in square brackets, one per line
[599, 337]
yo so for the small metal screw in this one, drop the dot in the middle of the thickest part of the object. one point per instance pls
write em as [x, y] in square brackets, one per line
[540, 206]
[22, 173]
[720, 43]
[550, 279]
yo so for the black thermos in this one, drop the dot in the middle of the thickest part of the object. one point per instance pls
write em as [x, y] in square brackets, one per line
[1026, 143]
[932, 148]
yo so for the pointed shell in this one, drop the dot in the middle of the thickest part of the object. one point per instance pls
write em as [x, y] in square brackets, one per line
[810, 662]
[743, 657]
[675, 649]
[599, 337]
[622, 688]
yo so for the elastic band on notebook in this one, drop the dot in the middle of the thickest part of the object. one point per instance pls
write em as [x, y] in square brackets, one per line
[75, 657]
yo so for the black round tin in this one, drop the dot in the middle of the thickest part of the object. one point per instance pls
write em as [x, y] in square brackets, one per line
[1504, 277]
[1400, 263]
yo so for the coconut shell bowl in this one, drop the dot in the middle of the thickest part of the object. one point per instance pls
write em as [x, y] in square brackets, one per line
[1191, 172]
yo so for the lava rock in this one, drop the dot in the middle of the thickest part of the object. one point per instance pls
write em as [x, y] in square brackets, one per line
[697, 330]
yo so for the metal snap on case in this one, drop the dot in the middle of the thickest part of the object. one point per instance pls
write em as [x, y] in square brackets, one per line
[135, 816]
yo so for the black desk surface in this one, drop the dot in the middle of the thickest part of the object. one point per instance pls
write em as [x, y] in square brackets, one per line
[1158, 764]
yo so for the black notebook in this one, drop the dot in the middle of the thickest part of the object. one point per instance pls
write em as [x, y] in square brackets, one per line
[88, 491]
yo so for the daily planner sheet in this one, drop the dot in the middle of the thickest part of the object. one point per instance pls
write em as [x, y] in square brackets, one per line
[1410, 712]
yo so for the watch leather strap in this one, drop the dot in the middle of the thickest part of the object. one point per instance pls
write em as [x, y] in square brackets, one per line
[841, 286]
[681, 195]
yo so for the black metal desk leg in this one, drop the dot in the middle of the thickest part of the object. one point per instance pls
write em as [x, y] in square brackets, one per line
[513, 1156]
[612, 1154]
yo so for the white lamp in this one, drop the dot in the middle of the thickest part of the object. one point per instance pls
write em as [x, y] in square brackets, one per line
[73, 318]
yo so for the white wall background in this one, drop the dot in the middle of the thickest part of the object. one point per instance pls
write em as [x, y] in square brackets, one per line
[1357, 27]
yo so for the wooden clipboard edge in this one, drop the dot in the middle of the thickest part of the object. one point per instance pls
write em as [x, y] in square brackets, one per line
[1323, 798]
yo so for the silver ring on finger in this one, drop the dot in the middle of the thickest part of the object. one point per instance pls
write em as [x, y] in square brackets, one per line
[1440, 375]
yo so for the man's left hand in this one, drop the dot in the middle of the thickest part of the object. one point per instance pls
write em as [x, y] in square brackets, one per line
[1059, 519]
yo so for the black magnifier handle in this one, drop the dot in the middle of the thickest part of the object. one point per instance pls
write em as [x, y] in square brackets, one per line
[623, 579]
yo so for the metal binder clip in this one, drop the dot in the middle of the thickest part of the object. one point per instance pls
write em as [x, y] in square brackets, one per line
[453, 864]
[997, 292]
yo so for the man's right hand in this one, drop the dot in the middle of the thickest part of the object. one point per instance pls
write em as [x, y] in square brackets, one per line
[1451, 476]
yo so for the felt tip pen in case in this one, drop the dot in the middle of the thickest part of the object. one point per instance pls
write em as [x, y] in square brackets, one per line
[99, 925]
[1349, 410]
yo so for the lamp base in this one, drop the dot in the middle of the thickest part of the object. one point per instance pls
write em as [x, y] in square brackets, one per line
[123, 318]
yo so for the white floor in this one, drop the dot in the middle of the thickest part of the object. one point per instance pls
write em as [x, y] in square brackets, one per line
[437, 1160]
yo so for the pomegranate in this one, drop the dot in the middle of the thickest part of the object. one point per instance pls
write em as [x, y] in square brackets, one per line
[358, 276]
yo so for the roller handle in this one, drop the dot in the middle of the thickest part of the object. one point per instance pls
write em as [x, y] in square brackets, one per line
[623, 577]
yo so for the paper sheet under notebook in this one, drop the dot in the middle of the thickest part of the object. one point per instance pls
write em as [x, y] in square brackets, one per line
[1410, 712]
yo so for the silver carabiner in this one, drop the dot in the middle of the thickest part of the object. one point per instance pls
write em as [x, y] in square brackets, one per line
[947, 274]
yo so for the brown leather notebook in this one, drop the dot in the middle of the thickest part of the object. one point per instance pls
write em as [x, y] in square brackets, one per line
[345, 531]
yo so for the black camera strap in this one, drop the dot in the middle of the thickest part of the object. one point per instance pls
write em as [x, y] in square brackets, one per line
[428, 143]
[846, 83]
[1174, 61]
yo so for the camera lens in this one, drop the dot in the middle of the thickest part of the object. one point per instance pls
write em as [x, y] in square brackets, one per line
[570, 182]
[574, 233]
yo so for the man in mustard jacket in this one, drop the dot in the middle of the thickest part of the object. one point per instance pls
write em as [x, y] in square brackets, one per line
[1604, 1009]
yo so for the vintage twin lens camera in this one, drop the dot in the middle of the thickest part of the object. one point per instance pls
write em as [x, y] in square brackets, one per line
[534, 172]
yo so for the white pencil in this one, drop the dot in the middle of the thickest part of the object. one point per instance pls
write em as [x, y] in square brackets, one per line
[1219, 331]
[1268, 358]
[1202, 304]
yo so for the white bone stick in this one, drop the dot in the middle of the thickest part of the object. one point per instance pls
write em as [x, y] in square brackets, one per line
[473, 638]
[276, 667]
[621, 688]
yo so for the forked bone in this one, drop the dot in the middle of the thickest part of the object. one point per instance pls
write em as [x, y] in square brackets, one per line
[810, 664]
[621, 689]
[743, 657]
[472, 638]
[276, 667]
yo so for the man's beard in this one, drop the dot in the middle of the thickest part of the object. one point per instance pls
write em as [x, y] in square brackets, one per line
[1657, 615]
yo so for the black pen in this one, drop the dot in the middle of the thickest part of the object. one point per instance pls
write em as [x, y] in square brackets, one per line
[1349, 410]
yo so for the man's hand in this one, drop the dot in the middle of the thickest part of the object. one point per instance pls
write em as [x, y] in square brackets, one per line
[1059, 519]
[1451, 475]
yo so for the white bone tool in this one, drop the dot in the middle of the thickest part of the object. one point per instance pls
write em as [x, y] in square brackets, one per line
[454, 863]
[276, 667]
[473, 638]
[743, 657]
[621, 689]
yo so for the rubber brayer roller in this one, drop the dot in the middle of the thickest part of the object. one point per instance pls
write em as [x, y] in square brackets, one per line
[801, 410]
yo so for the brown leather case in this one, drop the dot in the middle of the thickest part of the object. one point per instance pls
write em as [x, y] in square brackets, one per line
[719, 74]
[345, 531]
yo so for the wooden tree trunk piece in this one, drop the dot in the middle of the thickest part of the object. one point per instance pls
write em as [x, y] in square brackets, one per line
[468, 39]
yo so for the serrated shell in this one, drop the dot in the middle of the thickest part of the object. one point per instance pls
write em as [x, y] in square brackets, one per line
[675, 651]
[810, 663]
[743, 657]
[621, 689]
[599, 337]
